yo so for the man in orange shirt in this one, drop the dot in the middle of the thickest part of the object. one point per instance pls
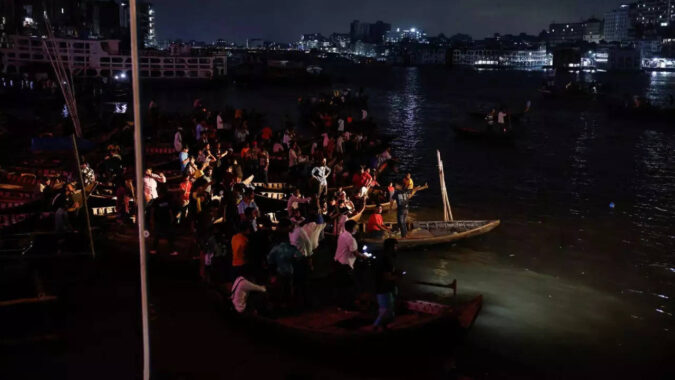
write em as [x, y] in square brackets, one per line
[375, 227]
[239, 248]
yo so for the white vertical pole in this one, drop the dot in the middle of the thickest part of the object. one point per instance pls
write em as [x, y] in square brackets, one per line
[140, 199]
[447, 211]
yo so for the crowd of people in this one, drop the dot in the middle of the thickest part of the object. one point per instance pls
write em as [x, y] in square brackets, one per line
[266, 255]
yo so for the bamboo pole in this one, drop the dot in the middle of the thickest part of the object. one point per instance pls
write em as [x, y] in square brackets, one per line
[140, 199]
[84, 196]
[447, 210]
[67, 89]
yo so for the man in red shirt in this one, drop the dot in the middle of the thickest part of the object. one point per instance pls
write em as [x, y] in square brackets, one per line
[375, 227]
[185, 189]
[366, 178]
[266, 133]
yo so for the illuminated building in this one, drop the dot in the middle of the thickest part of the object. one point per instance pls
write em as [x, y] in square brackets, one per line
[518, 59]
[618, 26]
[399, 35]
[104, 58]
[146, 25]
[655, 13]
[590, 30]
[313, 41]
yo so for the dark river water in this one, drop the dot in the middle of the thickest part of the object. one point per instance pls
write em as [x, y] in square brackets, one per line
[568, 281]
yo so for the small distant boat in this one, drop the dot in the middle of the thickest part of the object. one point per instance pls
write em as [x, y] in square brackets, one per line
[434, 232]
[425, 233]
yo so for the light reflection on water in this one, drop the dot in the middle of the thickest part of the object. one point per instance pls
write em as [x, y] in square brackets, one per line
[403, 120]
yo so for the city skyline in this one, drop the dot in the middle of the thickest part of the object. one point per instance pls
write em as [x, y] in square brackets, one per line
[285, 22]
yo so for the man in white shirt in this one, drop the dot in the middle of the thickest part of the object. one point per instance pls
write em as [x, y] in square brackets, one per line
[240, 291]
[346, 254]
[347, 248]
[501, 117]
[150, 184]
[320, 174]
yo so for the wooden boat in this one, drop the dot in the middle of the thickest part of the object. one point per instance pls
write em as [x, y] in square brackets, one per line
[433, 232]
[286, 187]
[415, 320]
[392, 205]
[356, 214]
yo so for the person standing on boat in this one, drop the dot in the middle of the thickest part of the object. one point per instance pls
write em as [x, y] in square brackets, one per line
[240, 244]
[321, 173]
[264, 166]
[246, 202]
[385, 284]
[346, 254]
[501, 117]
[184, 157]
[150, 181]
[402, 198]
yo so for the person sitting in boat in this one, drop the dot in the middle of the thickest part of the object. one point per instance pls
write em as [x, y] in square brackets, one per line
[386, 276]
[375, 227]
[340, 193]
[344, 201]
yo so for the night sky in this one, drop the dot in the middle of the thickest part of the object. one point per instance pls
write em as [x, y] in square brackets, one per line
[284, 21]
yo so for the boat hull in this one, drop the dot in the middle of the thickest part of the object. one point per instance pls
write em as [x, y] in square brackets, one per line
[439, 232]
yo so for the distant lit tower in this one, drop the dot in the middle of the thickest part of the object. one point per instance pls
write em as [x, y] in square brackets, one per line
[146, 25]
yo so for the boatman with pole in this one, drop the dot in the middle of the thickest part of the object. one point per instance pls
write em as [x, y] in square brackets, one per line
[402, 198]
